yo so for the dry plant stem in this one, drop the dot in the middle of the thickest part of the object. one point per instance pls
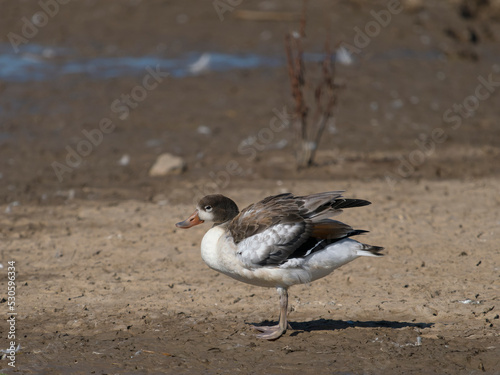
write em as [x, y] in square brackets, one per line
[329, 88]
[308, 135]
[303, 143]
[295, 72]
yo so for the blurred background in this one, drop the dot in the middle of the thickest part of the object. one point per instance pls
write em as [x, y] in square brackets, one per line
[93, 92]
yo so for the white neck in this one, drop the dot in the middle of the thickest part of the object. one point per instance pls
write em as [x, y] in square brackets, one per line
[209, 246]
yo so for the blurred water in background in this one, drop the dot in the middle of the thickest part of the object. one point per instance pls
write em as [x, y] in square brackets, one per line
[39, 63]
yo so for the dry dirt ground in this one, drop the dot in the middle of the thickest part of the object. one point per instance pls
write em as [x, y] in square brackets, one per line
[117, 289]
[107, 285]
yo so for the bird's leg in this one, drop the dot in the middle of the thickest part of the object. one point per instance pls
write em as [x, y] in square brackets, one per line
[274, 332]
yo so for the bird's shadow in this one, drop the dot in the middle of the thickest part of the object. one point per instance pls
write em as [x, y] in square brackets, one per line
[332, 325]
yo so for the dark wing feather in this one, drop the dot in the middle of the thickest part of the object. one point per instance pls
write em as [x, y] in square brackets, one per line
[323, 234]
[331, 230]
[314, 244]
[287, 226]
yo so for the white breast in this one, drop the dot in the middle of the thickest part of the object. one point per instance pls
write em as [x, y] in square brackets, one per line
[209, 252]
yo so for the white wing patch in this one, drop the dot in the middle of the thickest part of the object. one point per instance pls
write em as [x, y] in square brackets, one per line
[314, 247]
[293, 263]
[254, 249]
[299, 262]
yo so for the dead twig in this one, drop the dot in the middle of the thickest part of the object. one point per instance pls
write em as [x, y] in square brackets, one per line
[325, 95]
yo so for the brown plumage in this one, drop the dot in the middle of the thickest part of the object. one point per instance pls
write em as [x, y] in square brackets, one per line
[307, 212]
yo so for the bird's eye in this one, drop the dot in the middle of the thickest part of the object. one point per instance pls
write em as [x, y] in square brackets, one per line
[208, 208]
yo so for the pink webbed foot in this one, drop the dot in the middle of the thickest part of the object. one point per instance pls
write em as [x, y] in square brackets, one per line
[275, 332]
[270, 332]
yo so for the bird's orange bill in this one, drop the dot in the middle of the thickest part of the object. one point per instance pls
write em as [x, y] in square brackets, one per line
[191, 221]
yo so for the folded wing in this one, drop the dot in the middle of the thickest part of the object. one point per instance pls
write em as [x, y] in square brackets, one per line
[285, 226]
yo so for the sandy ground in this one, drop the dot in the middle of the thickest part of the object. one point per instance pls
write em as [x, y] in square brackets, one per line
[107, 285]
[116, 288]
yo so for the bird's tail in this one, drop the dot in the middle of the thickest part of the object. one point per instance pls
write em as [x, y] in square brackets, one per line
[370, 251]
